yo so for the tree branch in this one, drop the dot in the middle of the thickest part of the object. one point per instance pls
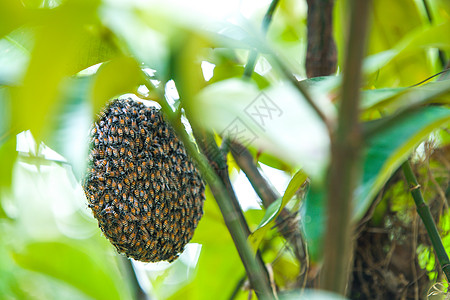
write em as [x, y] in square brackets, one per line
[268, 195]
[345, 159]
[321, 57]
[254, 267]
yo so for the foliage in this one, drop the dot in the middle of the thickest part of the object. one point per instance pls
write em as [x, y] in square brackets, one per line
[62, 60]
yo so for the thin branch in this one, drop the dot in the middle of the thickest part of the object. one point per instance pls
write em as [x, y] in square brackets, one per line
[425, 214]
[346, 147]
[268, 195]
[253, 266]
[250, 66]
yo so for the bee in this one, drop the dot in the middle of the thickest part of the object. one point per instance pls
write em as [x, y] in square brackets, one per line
[126, 181]
[122, 239]
[122, 162]
[124, 223]
[96, 142]
[119, 186]
[128, 217]
[132, 132]
[121, 121]
[107, 198]
[147, 141]
[131, 164]
[157, 213]
[143, 132]
[120, 132]
[152, 229]
[126, 130]
[130, 155]
[133, 123]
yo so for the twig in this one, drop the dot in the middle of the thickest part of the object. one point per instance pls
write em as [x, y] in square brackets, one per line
[250, 66]
[254, 268]
[268, 195]
[345, 159]
[425, 214]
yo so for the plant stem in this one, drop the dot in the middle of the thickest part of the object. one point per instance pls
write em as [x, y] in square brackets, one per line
[268, 195]
[424, 212]
[344, 172]
[250, 66]
[254, 268]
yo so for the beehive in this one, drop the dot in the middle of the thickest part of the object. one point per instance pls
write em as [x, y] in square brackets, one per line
[142, 187]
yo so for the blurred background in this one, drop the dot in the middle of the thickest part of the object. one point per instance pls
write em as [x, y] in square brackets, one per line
[61, 60]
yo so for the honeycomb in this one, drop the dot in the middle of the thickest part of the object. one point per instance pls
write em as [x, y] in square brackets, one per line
[141, 185]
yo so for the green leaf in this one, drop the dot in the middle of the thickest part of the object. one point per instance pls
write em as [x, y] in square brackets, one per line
[314, 220]
[58, 39]
[388, 150]
[267, 120]
[71, 265]
[275, 208]
[384, 153]
[119, 76]
[14, 56]
[72, 122]
[12, 15]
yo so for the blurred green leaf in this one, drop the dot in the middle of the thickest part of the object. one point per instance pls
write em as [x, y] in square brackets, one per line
[69, 264]
[314, 220]
[136, 38]
[387, 150]
[12, 15]
[58, 39]
[275, 208]
[267, 120]
[14, 56]
[72, 122]
[119, 76]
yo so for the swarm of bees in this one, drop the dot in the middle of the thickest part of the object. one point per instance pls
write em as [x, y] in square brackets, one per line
[142, 187]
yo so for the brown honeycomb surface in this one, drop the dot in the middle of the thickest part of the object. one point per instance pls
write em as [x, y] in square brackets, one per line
[142, 187]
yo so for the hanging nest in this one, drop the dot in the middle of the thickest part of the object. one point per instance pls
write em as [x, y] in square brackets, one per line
[142, 187]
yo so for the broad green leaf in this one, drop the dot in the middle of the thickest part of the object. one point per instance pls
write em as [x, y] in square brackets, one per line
[267, 120]
[314, 219]
[72, 122]
[70, 264]
[394, 21]
[275, 208]
[7, 140]
[57, 39]
[137, 39]
[12, 15]
[371, 98]
[388, 150]
[14, 56]
[384, 153]
[119, 76]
